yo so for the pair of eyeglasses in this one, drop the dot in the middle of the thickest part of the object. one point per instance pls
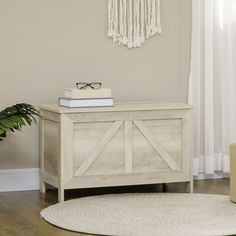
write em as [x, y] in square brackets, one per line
[84, 85]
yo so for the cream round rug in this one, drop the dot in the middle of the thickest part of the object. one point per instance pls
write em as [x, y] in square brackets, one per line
[146, 214]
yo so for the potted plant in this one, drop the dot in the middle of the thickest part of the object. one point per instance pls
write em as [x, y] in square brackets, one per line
[15, 117]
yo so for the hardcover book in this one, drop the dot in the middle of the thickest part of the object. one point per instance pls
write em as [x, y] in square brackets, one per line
[90, 102]
[87, 93]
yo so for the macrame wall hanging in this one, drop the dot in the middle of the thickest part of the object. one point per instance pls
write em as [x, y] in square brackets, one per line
[131, 22]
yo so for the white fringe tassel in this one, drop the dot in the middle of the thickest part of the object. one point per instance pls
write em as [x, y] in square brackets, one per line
[131, 22]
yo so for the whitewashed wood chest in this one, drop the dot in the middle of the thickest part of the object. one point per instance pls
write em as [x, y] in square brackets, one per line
[128, 144]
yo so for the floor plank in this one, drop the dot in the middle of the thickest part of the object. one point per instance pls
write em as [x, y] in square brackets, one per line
[19, 211]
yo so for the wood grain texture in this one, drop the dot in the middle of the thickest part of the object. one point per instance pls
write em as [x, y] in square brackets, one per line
[129, 144]
[120, 106]
[157, 145]
[110, 160]
[41, 154]
[99, 147]
[128, 147]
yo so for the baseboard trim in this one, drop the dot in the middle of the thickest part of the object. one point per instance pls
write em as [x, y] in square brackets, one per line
[212, 176]
[19, 180]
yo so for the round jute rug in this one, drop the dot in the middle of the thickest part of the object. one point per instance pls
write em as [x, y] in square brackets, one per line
[146, 214]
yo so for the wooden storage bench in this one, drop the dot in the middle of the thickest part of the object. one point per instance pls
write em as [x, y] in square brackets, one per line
[128, 144]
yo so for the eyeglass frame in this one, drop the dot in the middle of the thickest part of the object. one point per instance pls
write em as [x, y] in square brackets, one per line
[86, 85]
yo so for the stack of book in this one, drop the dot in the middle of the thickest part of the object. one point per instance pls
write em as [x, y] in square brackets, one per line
[74, 97]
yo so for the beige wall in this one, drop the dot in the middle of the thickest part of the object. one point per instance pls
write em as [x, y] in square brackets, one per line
[47, 45]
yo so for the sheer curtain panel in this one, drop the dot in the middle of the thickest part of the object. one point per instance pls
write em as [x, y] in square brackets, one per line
[212, 85]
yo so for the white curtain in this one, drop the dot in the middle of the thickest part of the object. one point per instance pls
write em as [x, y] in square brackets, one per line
[212, 85]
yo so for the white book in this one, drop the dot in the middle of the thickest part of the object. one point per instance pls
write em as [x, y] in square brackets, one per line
[87, 93]
[92, 102]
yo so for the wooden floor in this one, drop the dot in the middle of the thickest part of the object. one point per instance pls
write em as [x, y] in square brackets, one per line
[19, 211]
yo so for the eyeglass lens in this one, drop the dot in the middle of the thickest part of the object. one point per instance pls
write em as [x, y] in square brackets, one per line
[84, 85]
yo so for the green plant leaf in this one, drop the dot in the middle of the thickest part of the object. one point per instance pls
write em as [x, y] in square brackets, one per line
[14, 117]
